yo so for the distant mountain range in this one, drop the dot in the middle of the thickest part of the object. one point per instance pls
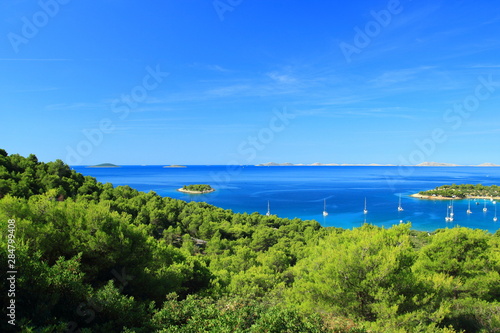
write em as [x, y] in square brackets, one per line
[450, 164]
[488, 165]
[424, 164]
[436, 164]
[320, 164]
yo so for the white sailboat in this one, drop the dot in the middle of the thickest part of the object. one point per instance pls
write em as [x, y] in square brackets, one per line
[451, 211]
[325, 213]
[485, 209]
[468, 210]
[365, 211]
[400, 208]
[495, 217]
[448, 218]
[268, 209]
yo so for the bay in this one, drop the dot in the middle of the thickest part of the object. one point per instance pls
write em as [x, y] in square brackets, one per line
[300, 191]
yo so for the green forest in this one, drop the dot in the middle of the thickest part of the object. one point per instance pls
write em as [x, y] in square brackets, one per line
[91, 257]
[463, 191]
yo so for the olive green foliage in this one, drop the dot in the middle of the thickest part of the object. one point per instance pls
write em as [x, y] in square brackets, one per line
[394, 282]
[195, 314]
[23, 177]
[96, 258]
[198, 188]
[464, 190]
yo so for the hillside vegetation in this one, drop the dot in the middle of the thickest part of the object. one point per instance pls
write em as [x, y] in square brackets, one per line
[96, 258]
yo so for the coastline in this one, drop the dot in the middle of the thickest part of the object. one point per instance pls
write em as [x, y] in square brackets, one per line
[439, 197]
[195, 192]
[425, 214]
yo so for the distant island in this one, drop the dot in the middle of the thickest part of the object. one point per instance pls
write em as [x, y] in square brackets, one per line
[436, 164]
[175, 166]
[488, 165]
[446, 192]
[320, 164]
[275, 164]
[196, 189]
[104, 165]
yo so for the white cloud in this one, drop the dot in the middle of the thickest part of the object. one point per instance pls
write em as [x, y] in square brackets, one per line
[282, 78]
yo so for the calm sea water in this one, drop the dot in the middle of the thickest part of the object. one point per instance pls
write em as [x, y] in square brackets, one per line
[300, 191]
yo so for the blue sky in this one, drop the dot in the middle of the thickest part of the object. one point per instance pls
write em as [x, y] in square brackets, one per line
[247, 82]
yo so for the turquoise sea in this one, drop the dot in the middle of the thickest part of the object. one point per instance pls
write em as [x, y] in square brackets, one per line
[300, 191]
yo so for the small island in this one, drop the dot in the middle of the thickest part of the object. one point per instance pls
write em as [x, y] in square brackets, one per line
[463, 191]
[175, 166]
[104, 165]
[196, 189]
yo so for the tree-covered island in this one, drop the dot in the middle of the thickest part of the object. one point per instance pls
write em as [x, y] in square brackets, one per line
[461, 191]
[196, 189]
[104, 165]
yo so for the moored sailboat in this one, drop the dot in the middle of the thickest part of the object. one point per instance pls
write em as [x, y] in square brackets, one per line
[468, 209]
[400, 208]
[325, 213]
[448, 218]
